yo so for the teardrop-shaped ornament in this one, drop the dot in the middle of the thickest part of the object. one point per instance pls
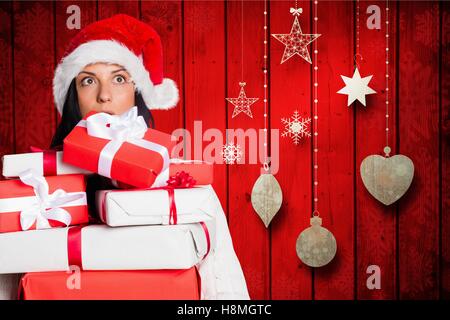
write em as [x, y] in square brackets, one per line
[266, 197]
[316, 245]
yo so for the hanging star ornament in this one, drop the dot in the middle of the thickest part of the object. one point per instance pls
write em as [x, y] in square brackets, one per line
[356, 88]
[296, 42]
[242, 103]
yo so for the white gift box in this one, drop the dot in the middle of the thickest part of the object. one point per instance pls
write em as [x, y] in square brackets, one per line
[106, 248]
[152, 207]
[14, 164]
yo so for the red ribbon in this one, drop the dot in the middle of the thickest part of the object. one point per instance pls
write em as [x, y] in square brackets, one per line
[208, 239]
[74, 246]
[181, 180]
[49, 163]
[199, 279]
[173, 216]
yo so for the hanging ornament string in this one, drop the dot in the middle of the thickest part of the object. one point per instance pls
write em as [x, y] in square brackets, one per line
[296, 127]
[387, 149]
[242, 103]
[315, 118]
[242, 40]
[266, 160]
[267, 196]
[316, 246]
[387, 178]
[356, 87]
[358, 54]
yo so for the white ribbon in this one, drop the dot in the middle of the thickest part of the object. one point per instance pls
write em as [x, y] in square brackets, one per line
[128, 127]
[46, 206]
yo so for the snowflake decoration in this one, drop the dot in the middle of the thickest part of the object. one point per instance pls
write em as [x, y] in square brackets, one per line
[296, 127]
[231, 153]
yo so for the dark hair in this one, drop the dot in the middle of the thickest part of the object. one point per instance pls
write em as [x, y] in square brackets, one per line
[71, 114]
[70, 117]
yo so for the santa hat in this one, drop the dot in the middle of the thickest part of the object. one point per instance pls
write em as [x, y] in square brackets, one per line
[125, 41]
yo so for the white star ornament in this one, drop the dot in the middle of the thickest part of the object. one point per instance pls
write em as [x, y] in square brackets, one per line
[356, 88]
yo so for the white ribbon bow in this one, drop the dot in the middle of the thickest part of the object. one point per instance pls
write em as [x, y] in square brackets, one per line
[46, 206]
[296, 12]
[121, 128]
[127, 127]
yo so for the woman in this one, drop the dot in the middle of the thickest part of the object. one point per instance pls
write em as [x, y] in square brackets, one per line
[110, 66]
[99, 87]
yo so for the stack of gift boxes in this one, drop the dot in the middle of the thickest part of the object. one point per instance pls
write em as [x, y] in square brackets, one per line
[151, 233]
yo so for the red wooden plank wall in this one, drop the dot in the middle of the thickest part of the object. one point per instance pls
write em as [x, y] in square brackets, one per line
[409, 241]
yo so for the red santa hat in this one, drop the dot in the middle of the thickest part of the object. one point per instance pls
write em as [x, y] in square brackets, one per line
[125, 41]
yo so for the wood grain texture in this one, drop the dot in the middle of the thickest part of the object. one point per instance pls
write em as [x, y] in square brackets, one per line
[33, 74]
[108, 8]
[166, 18]
[9, 283]
[419, 139]
[204, 78]
[6, 81]
[445, 148]
[290, 90]
[409, 241]
[375, 223]
[336, 149]
[63, 34]
[250, 237]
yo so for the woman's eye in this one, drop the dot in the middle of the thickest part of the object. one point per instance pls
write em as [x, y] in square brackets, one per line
[120, 79]
[87, 81]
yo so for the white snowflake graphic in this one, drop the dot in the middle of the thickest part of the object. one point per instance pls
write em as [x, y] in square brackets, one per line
[296, 127]
[231, 153]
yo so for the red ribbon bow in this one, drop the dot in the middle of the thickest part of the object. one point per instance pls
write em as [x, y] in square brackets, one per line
[181, 179]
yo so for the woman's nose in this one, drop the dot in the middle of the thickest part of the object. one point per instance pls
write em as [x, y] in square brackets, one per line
[104, 94]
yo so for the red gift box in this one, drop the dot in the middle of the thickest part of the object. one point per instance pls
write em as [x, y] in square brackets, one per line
[119, 147]
[198, 172]
[201, 172]
[18, 199]
[112, 285]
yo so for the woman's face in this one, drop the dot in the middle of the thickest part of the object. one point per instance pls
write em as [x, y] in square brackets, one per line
[106, 88]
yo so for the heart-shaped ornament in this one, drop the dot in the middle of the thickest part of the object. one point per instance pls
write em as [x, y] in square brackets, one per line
[387, 178]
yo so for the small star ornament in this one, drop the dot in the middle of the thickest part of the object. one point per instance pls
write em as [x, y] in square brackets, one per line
[356, 88]
[296, 42]
[242, 103]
